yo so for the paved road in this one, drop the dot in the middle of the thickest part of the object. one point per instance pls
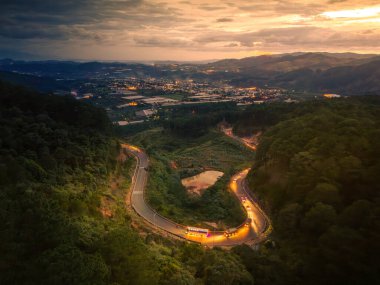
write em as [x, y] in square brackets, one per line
[245, 141]
[245, 233]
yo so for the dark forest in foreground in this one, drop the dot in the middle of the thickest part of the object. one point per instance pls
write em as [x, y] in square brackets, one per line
[316, 171]
[57, 156]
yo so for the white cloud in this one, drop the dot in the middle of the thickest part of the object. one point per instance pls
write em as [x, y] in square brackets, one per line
[354, 13]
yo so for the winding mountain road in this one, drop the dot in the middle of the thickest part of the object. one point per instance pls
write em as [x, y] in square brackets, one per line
[252, 231]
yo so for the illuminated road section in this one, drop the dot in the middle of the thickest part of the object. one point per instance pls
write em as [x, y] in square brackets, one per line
[246, 233]
[245, 141]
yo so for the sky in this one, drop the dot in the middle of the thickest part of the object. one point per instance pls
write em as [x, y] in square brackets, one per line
[186, 30]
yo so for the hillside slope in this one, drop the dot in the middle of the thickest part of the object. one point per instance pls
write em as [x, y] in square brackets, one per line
[307, 72]
[318, 173]
[63, 218]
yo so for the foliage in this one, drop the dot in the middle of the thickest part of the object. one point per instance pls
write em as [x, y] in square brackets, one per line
[191, 156]
[317, 173]
[56, 160]
[195, 120]
[54, 157]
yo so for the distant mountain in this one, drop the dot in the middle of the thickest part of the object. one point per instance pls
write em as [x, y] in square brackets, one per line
[348, 80]
[290, 62]
[38, 83]
[74, 69]
[348, 73]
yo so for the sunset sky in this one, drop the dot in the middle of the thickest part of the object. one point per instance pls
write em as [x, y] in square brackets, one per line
[185, 30]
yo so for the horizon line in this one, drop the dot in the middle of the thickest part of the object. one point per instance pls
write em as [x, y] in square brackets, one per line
[176, 61]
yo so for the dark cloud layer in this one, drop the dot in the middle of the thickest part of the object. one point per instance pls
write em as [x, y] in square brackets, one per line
[75, 28]
[76, 18]
[224, 20]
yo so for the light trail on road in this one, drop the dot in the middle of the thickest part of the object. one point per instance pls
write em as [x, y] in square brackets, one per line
[244, 233]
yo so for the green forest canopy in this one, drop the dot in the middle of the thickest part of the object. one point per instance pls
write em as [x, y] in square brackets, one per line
[318, 173]
[56, 156]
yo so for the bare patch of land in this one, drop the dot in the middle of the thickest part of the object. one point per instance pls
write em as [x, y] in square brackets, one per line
[200, 182]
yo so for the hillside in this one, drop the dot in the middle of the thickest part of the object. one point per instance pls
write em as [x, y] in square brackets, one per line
[43, 84]
[75, 70]
[291, 62]
[63, 218]
[349, 75]
[317, 172]
[349, 80]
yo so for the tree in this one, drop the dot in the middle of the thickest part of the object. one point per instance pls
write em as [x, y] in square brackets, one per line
[289, 218]
[319, 218]
[325, 193]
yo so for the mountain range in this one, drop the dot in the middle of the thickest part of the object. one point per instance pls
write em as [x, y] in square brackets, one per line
[345, 73]
[349, 73]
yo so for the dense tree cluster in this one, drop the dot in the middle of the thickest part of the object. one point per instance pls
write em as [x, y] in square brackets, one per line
[318, 174]
[56, 157]
[53, 158]
[190, 157]
[193, 121]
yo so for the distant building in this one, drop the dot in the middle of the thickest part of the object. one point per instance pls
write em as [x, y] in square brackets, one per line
[125, 123]
[135, 97]
[136, 122]
[122, 123]
[244, 104]
[87, 96]
[329, 96]
[123, 91]
[145, 113]
[122, 106]
[205, 96]
[158, 100]
[290, 101]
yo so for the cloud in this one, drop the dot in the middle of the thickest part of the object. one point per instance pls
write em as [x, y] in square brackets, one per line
[16, 54]
[63, 19]
[336, 1]
[272, 8]
[366, 12]
[294, 37]
[71, 27]
[154, 41]
[208, 7]
[230, 45]
[224, 20]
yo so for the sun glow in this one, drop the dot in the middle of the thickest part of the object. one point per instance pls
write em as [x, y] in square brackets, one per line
[356, 13]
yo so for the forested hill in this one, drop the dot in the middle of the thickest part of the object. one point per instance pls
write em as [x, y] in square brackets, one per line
[57, 159]
[349, 74]
[54, 157]
[318, 173]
